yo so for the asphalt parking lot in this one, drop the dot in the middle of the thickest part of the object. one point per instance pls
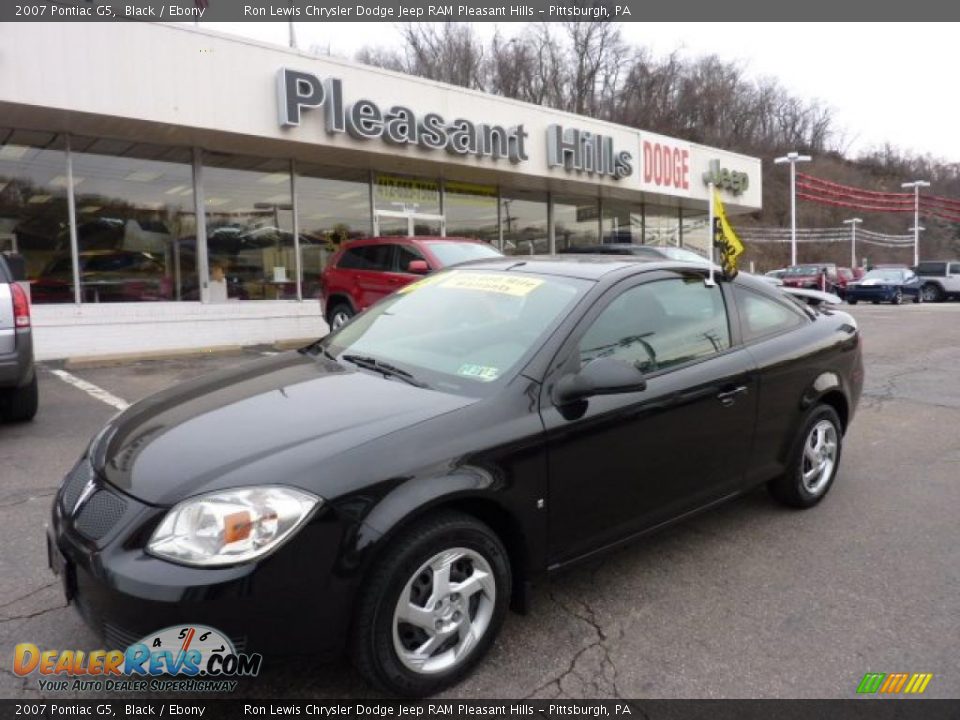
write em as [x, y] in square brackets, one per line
[748, 600]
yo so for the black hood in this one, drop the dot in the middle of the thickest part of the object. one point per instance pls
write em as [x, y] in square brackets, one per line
[268, 421]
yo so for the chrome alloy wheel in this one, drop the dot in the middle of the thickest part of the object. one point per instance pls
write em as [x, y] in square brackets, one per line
[443, 611]
[338, 319]
[819, 457]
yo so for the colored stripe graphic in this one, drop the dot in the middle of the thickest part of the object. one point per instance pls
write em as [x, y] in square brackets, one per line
[918, 683]
[893, 683]
[871, 682]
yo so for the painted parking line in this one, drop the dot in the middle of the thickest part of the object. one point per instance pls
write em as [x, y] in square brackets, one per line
[94, 391]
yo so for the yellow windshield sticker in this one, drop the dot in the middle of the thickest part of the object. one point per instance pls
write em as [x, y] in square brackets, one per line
[487, 282]
[429, 280]
[479, 372]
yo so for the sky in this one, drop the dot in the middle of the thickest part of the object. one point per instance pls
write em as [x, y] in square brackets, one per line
[884, 82]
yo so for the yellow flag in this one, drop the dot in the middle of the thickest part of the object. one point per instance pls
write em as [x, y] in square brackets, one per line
[726, 239]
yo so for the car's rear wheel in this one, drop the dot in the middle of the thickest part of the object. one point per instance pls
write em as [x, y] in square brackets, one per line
[339, 314]
[814, 462]
[932, 292]
[918, 298]
[20, 404]
[432, 605]
[897, 298]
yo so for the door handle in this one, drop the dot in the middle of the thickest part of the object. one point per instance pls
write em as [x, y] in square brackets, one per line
[729, 397]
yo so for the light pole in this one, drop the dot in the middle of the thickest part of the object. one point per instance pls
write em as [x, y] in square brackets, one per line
[793, 158]
[916, 185]
[853, 222]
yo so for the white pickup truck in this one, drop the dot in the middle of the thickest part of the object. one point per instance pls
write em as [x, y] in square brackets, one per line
[18, 375]
[941, 279]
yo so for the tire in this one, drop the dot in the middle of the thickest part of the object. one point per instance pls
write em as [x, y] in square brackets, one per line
[875, 302]
[851, 301]
[897, 298]
[383, 646]
[791, 488]
[932, 292]
[20, 404]
[918, 298]
[339, 314]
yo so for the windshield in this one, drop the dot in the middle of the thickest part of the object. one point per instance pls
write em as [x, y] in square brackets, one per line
[804, 270]
[458, 330]
[885, 275]
[452, 252]
[675, 253]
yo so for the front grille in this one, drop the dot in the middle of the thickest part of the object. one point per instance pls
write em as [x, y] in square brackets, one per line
[74, 485]
[99, 514]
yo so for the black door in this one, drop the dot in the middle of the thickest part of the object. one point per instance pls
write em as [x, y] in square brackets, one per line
[619, 464]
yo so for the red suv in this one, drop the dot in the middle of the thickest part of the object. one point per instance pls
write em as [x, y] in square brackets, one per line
[364, 271]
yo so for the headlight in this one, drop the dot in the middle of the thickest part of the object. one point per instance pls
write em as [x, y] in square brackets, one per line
[230, 526]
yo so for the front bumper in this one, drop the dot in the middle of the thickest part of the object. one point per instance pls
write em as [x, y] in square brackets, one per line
[871, 294]
[296, 600]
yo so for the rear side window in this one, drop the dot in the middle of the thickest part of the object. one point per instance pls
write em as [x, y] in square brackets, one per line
[762, 316]
[660, 324]
[932, 269]
[366, 257]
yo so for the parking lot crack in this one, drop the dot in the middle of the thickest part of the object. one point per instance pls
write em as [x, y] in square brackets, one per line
[33, 592]
[28, 616]
[605, 673]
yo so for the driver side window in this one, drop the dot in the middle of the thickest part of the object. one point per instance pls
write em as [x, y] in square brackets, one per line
[660, 324]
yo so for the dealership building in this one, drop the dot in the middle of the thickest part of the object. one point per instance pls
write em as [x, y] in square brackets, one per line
[172, 188]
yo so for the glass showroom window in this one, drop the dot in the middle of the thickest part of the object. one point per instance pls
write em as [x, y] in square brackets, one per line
[333, 205]
[33, 209]
[622, 222]
[661, 225]
[471, 211]
[523, 217]
[403, 203]
[249, 214]
[696, 234]
[576, 222]
[136, 225]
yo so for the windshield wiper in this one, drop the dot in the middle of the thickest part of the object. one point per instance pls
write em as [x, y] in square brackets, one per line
[388, 370]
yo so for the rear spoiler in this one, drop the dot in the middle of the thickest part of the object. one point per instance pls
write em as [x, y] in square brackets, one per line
[812, 297]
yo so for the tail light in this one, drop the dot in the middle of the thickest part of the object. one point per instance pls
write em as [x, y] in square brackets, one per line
[21, 306]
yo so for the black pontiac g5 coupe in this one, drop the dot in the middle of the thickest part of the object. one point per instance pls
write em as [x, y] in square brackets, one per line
[393, 487]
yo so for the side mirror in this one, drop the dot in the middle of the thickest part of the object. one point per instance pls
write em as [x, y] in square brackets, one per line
[602, 376]
[418, 267]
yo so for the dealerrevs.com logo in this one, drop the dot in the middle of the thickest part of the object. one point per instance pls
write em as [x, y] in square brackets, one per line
[191, 658]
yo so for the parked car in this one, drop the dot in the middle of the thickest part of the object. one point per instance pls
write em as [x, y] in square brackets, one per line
[651, 252]
[18, 376]
[778, 273]
[364, 271]
[940, 278]
[820, 276]
[105, 276]
[885, 285]
[394, 487]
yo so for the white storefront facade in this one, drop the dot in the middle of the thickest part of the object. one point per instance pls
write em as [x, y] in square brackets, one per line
[110, 145]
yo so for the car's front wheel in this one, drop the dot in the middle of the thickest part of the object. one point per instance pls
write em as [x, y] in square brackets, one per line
[432, 605]
[931, 292]
[814, 462]
[851, 301]
[339, 315]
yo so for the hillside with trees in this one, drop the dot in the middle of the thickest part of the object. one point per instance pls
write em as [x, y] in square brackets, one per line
[588, 68]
